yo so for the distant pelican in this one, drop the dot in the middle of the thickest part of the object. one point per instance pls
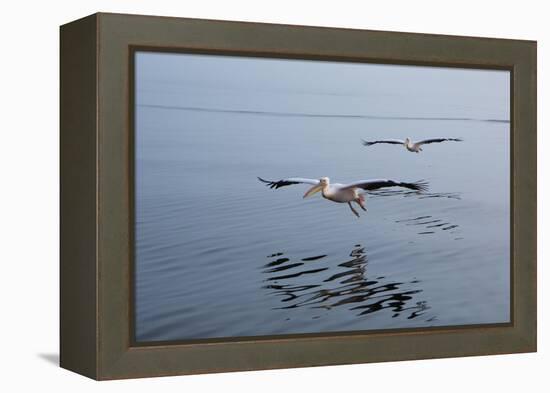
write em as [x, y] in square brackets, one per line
[344, 193]
[409, 144]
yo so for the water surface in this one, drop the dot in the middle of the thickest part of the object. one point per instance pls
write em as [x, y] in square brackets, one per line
[218, 254]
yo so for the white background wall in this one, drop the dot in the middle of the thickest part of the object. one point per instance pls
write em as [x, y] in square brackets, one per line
[29, 194]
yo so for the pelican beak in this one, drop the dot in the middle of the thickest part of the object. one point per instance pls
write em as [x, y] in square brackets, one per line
[313, 190]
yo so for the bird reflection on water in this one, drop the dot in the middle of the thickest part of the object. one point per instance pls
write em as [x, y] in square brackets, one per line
[314, 282]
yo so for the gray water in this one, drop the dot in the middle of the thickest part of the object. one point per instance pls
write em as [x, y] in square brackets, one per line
[219, 254]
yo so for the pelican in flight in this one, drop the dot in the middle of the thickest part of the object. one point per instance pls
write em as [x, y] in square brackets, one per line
[344, 193]
[414, 147]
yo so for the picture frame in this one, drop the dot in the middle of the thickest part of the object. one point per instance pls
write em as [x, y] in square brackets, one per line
[97, 201]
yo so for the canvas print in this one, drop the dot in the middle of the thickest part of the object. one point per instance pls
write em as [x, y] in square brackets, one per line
[286, 197]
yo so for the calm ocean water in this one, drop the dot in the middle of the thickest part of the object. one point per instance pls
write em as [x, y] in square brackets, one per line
[218, 254]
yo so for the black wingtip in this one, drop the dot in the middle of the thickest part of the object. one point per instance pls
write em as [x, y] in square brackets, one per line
[270, 184]
[365, 143]
[420, 186]
[267, 182]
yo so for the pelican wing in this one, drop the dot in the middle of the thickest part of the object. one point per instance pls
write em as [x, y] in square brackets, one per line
[288, 182]
[437, 140]
[375, 184]
[390, 141]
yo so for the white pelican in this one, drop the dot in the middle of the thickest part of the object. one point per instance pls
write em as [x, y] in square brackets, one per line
[409, 144]
[344, 193]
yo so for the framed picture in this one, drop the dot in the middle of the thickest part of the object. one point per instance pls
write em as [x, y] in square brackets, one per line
[241, 196]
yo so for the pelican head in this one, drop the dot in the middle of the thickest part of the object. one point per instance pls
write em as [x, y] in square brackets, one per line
[323, 183]
[407, 140]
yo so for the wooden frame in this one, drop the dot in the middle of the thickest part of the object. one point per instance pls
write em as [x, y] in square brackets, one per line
[96, 199]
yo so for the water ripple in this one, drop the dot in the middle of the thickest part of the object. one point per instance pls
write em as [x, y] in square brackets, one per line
[429, 224]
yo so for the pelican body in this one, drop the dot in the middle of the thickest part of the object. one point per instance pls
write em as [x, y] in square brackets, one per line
[411, 146]
[343, 193]
[338, 193]
[414, 147]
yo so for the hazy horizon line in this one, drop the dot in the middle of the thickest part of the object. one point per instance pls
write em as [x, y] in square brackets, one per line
[321, 115]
